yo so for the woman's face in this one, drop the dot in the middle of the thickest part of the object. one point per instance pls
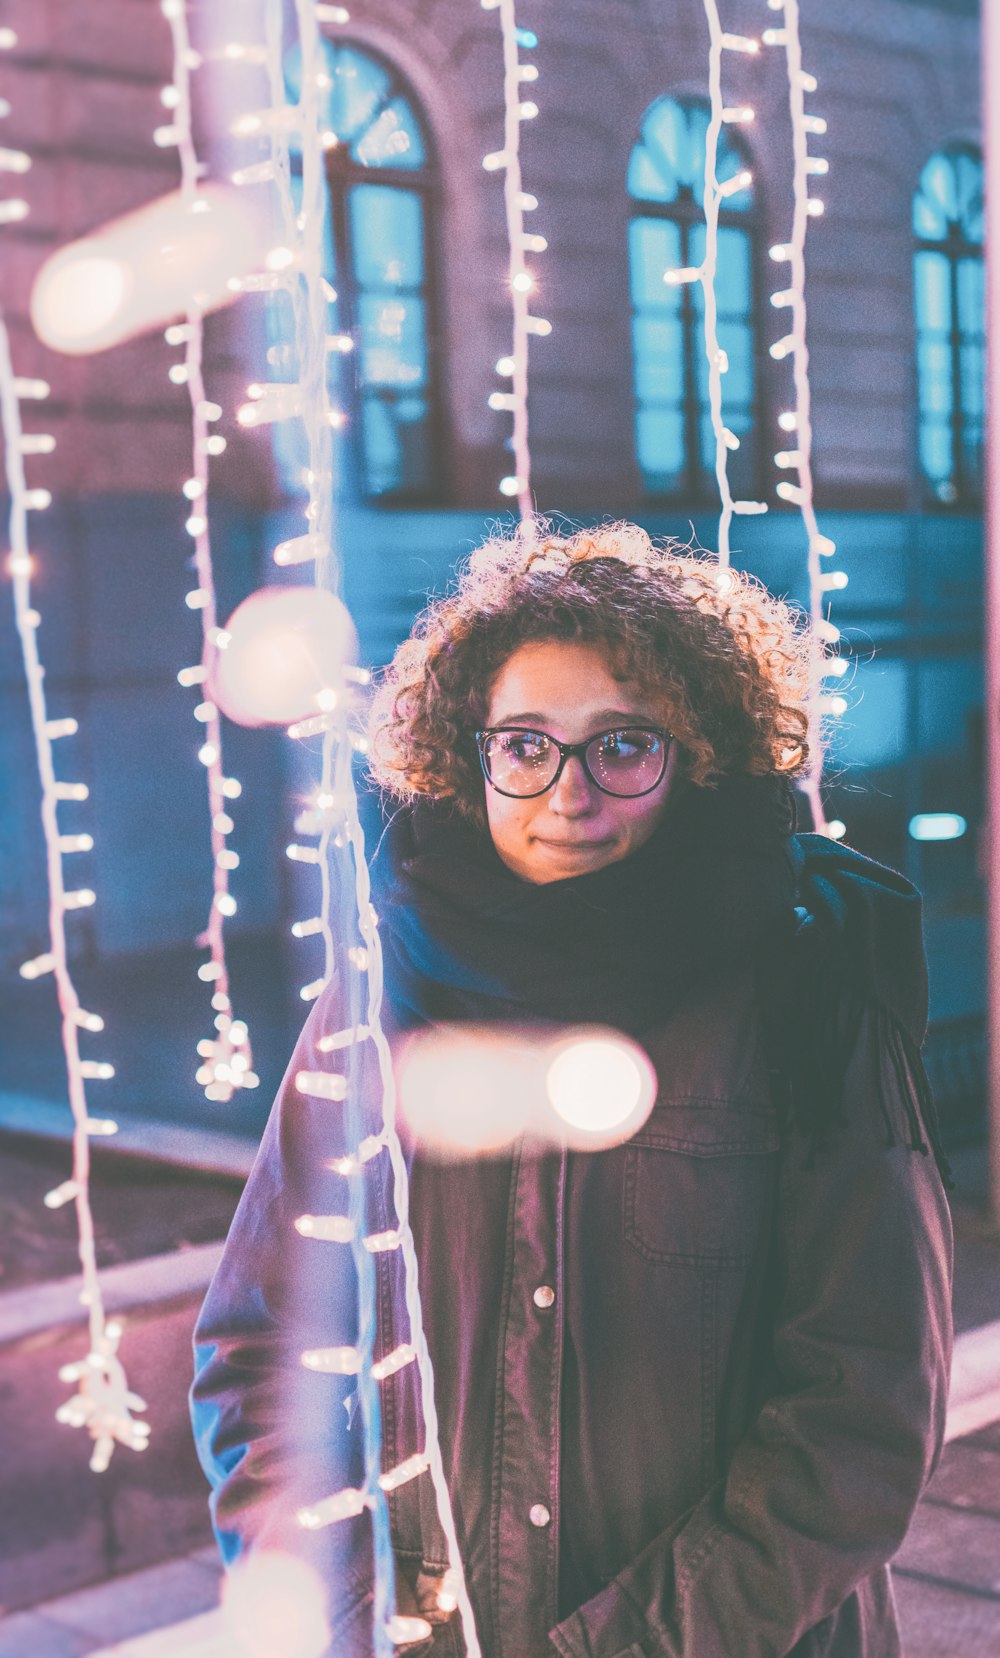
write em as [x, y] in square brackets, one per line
[566, 688]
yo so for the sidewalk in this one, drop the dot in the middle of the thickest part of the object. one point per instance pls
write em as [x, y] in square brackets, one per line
[947, 1581]
[947, 1574]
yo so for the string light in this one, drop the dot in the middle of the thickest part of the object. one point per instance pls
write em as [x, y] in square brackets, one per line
[227, 1056]
[305, 397]
[716, 192]
[103, 1402]
[794, 344]
[521, 281]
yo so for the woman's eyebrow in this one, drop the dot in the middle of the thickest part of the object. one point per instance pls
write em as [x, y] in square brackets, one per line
[533, 718]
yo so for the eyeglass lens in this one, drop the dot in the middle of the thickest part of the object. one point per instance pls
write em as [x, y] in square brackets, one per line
[626, 762]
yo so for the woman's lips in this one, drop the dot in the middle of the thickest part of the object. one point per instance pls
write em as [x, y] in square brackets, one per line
[573, 846]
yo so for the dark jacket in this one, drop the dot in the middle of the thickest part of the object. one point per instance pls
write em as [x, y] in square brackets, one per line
[707, 1442]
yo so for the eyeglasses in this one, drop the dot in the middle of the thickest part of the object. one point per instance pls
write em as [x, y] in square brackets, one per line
[626, 762]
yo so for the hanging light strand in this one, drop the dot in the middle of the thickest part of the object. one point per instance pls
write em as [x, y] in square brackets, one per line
[797, 422]
[227, 1057]
[716, 191]
[340, 857]
[521, 242]
[103, 1402]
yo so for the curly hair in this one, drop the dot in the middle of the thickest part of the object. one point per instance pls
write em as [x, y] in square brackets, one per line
[731, 665]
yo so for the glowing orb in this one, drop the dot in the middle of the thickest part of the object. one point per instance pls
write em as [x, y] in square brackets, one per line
[470, 1091]
[85, 295]
[285, 656]
[466, 1090]
[600, 1086]
[274, 1602]
[140, 270]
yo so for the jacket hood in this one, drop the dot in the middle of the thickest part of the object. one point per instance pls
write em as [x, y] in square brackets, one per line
[868, 919]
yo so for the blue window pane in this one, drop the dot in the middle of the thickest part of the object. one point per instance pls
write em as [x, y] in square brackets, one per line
[969, 191]
[671, 156]
[396, 441]
[935, 375]
[393, 340]
[382, 456]
[393, 139]
[972, 450]
[360, 87]
[660, 447]
[950, 196]
[670, 365]
[950, 303]
[706, 433]
[932, 284]
[654, 247]
[732, 277]
[936, 202]
[664, 132]
[387, 236]
[935, 450]
[736, 340]
[645, 182]
[971, 295]
[659, 360]
[972, 365]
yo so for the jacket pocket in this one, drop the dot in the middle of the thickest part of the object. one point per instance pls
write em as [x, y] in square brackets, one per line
[699, 1179]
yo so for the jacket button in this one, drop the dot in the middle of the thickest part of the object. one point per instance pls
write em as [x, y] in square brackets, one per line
[544, 1295]
[539, 1515]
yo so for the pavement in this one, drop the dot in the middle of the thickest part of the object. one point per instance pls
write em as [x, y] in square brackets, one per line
[946, 1575]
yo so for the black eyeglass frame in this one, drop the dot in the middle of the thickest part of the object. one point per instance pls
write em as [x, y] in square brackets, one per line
[566, 751]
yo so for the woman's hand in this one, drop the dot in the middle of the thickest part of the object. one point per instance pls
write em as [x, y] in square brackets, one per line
[419, 1597]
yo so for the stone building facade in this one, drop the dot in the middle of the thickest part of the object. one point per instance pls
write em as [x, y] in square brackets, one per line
[898, 83]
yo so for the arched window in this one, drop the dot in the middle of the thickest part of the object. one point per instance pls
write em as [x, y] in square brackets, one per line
[666, 176]
[382, 182]
[948, 294]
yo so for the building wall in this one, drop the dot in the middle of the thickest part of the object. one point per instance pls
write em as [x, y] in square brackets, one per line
[898, 79]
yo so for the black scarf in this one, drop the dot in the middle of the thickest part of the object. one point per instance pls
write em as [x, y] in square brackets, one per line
[722, 880]
[466, 938]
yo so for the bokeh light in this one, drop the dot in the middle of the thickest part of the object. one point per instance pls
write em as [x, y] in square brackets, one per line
[601, 1087]
[469, 1090]
[274, 1602]
[151, 265]
[285, 656]
[466, 1090]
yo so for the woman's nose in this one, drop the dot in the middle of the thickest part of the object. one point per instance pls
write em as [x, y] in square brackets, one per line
[573, 793]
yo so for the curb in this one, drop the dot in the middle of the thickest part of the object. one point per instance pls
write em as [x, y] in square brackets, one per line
[974, 1394]
[155, 1141]
[135, 1284]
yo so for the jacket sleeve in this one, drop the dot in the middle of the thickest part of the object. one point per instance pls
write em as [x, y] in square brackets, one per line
[821, 1490]
[270, 1434]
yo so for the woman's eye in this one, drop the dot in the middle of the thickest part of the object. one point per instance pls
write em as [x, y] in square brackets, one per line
[524, 745]
[628, 745]
[620, 745]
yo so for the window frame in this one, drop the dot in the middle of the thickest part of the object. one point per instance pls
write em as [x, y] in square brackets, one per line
[954, 247]
[341, 174]
[699, 488]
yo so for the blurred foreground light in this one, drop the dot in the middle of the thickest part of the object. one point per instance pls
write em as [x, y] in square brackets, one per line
[287, 646]
[275, 1603]
[937, 826]
[467, 1090]
[138, 271]
[601, 1087]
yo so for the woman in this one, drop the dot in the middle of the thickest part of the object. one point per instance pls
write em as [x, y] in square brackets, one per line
[690, 1388]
